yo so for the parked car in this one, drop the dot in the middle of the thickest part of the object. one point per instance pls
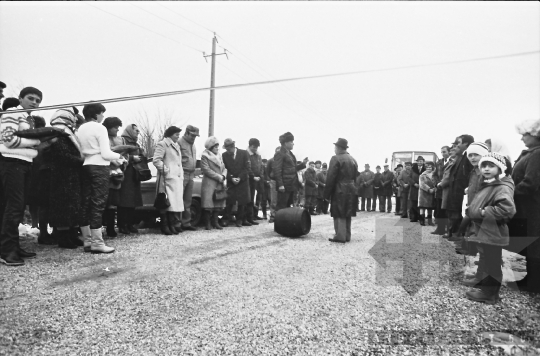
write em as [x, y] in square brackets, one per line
[149, 214]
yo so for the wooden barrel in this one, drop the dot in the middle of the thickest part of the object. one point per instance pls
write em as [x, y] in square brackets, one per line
[292, 222]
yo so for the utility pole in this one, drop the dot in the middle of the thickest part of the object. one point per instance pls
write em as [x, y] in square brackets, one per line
[212, 83]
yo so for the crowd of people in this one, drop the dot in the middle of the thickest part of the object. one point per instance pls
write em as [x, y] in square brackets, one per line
[78, 174]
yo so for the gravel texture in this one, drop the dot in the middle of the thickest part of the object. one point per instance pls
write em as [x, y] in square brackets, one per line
[248, 291]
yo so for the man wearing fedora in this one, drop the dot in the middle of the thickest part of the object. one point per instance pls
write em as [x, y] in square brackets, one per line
[285, 170]
[189, 162]
[341, 189]
[238, 172]
[417, 169]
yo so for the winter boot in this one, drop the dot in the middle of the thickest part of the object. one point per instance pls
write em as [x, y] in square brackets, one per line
[74, 236]
[87, 238]
[486, 294]
[109, 221]
[422, 220]
[98, 245]
[164, 222]
[265, 217]
[171, 219]
[531, 282]
[64, 239]
[206, 218]
[215, 220]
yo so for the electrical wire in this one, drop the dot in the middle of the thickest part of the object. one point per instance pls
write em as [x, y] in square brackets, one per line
[172, 23]
[171, 10]
[231, 86]
[145, 28]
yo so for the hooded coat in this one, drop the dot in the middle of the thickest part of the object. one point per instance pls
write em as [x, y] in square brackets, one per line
[340, 186]
[415, 179]
[213, 170]
[425, 198]
[526, 222]
[497, 200]
[130, 190]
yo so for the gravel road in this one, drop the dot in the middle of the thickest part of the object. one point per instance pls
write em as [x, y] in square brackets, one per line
[247, 291]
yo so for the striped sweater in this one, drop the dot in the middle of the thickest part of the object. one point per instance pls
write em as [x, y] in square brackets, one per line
[13, 146]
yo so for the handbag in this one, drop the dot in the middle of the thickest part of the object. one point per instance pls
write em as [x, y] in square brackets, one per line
[162, 200]
[220, 193]
[142, 171]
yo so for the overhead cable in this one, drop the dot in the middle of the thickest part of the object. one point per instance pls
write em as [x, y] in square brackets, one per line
[179, 92]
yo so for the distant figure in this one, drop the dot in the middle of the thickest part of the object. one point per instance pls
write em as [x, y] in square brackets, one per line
[365, 189]
[340, 188]
[189, 162]
[385, 197]
[310, 189]
[404, 181]
[322, 204]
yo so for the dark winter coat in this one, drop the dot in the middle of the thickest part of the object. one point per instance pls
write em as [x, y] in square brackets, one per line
[65, 183]
[340, 187]
[439, 172]
[496, 198]
[321, 180]
[130, 190]
[310, 180]
[387, 178]
[460, 180]
[405, 182]
[446, 183]
[285, 170]
[526, 176]
[377, 184]
[365, 184]
[415, 179]
[238, 167]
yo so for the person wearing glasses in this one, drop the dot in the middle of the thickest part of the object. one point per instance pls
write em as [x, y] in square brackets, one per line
[189, 161]
[16, 158]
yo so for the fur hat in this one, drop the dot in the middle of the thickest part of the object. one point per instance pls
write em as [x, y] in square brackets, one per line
[211, 142]
[286, 137]
[531, 127]
[479, 148]
[495, 158]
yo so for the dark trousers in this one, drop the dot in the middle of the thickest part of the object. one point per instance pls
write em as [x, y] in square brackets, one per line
[413, 210]
[15, 180]
[263, 198]
[95, 191]
[322, 205]
[385, 200]
[454, 217]
[240, 212]
[492, 265]
[285, 199]
[398, 204]
[253, 187]
[404, 204]
[363, 206]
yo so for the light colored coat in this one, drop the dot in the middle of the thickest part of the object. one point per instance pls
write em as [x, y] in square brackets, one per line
[168, 159]
[425, 198]
[213, 170]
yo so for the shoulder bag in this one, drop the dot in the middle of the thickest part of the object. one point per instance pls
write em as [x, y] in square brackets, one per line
[162, 200]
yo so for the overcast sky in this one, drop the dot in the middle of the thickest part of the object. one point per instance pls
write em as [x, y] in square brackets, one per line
[82, 51]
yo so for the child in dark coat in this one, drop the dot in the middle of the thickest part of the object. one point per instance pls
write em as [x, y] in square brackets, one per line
[490, 210]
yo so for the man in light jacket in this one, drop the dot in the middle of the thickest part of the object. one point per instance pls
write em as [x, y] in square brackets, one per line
[189, 163]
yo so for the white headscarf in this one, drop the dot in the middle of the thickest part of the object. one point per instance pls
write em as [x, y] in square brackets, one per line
[497, 145]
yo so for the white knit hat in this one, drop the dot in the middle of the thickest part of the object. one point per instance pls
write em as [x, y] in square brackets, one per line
[531, 127]
[495, 158]
[479, 148]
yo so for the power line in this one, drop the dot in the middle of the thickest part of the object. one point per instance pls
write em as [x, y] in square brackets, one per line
[172, 23]
[171, 10]
[230, 86]
[147, 29]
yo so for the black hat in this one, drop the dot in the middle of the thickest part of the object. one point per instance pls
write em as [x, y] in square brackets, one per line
[399, 165]
[366, 165]
[408, 163]
[341, 142]
[420, 158]
[286, 137]
[378, 167]
[2, 85]
[264, 160]
[254, 142]
[324, 165]
[311, 162]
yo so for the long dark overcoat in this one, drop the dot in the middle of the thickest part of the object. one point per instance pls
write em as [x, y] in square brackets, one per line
[65, 183]
[459, 172]
[130, 190]
[310, 179]
[415, 178]
[365, 184]
[340, 187]
[526, 222]
[387, 178]
[439, 172]
[285, 170]
[237, 167]
[446, 183]
[321, 180]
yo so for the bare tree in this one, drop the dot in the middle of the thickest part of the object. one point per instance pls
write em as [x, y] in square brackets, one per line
[153, 124]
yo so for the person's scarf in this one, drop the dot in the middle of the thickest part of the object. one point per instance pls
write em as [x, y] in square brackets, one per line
[129, 135]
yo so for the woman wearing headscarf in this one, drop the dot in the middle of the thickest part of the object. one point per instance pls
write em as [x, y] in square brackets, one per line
[65, 162]
[214, 177]
[130, 190]
[112, 124]
[170, 179]
[426, 194]
[525, 225]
